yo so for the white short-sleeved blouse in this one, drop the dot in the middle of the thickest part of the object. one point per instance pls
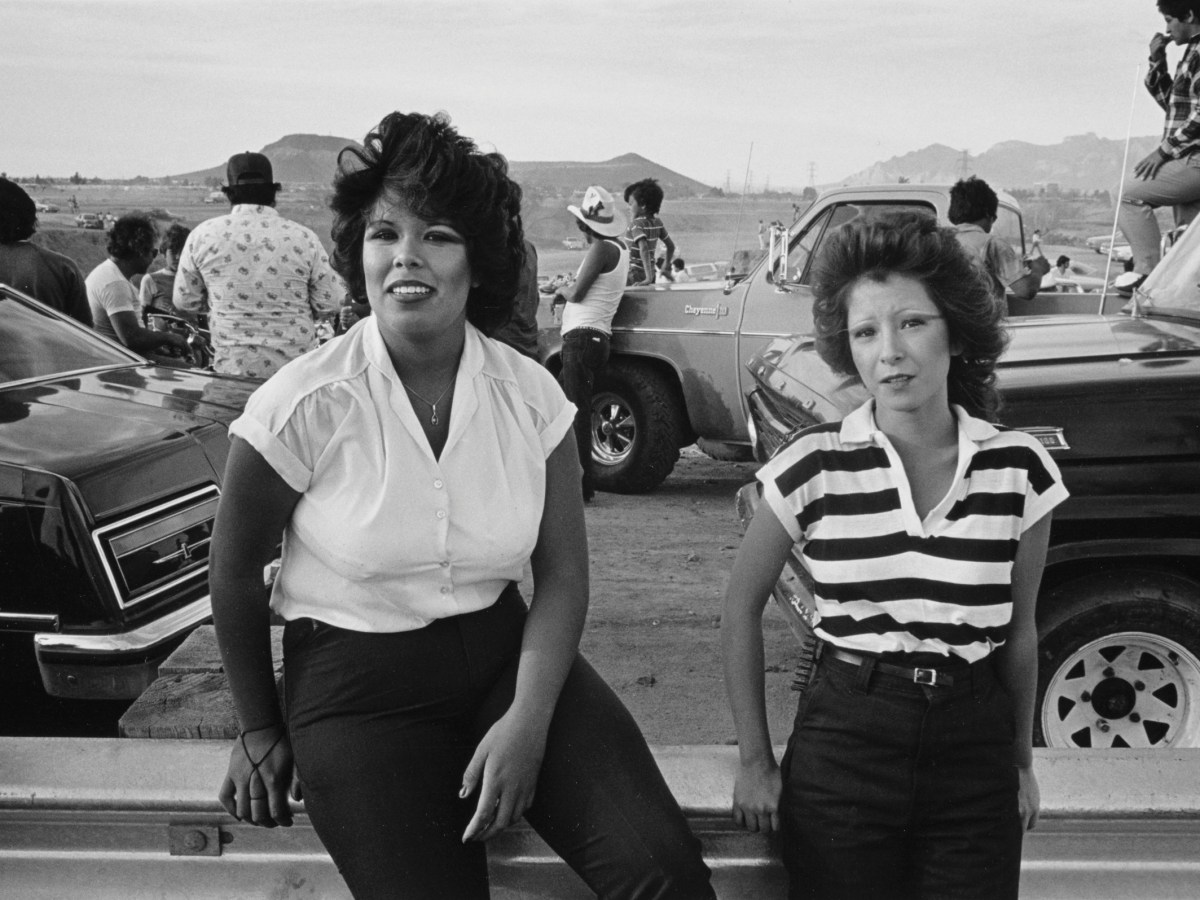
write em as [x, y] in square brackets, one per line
[386, 537]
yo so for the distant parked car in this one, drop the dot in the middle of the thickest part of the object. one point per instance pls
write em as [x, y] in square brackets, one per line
[707, 271]
[89, 220]
[42, 206]
[573, 243]
[1116, 252]
[1095, 243]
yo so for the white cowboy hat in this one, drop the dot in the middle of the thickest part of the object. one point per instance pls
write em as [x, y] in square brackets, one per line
[599, 212]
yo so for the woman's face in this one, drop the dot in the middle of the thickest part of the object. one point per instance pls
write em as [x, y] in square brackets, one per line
[416, 272]
[900, 345]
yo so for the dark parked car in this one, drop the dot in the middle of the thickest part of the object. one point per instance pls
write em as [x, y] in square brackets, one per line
[110, 470]
[1116, 399]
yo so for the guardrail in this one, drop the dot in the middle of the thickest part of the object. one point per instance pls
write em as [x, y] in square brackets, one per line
[133, 819]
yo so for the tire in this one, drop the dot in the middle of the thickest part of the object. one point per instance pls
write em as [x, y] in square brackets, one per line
[636, 424]
[1122, 668]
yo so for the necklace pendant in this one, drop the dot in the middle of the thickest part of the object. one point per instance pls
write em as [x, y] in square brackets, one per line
[433, 419]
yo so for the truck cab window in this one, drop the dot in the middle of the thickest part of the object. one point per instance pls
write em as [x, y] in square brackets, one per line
[807, 244]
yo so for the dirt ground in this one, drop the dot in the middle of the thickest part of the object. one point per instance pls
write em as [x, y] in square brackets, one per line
[660, 563]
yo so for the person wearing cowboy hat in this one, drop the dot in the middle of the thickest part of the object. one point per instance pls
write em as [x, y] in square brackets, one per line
[589, 306]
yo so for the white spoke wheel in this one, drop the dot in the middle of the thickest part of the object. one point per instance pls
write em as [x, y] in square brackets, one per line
[1123, 671]
[1130, 689]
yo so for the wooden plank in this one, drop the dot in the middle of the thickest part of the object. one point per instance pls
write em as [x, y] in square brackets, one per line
[199, 653]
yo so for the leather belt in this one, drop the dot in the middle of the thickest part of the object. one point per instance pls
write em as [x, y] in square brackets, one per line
[932, 677]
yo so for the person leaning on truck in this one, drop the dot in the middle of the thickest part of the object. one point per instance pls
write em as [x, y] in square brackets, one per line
[973, 209]
[588, 309]
[1170, 175]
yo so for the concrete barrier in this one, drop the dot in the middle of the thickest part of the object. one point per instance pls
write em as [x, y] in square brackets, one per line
[139, 819]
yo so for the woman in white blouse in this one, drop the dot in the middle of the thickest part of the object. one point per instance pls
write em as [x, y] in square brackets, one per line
[413, 466]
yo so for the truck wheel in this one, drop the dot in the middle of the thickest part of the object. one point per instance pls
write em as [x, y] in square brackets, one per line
[636, 423]
[1123, 669]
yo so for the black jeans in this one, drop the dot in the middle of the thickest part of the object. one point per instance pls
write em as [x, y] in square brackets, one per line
[899, 790]
[383, 726]
[584, 354]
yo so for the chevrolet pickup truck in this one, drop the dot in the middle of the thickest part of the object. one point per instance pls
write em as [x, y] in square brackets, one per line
[677, 367]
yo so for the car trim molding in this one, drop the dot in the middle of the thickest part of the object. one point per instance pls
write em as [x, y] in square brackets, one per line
[170, 625]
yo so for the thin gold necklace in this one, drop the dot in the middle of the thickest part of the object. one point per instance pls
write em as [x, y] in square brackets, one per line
[433, 418]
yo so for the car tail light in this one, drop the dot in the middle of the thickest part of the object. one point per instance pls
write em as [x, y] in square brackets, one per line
[159, 549]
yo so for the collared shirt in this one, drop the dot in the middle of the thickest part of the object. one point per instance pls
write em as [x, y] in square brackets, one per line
[264, 280]
[109, 292]
[887, 580]
[47, 276]
[1179, 96]
[994, 257]
[386, 537]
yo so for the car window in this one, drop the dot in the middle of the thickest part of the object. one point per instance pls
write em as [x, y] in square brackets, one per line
[34, 343]
[806, 246]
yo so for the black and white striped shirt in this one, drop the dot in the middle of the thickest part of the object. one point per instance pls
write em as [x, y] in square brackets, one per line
[887, 581]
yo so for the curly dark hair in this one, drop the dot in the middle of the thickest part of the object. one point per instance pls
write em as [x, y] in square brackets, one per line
[424, 163]
[912, 245]
[174, 238]
[648, 193]
[1179, 9]
[18, 213]
[972, 199]
[131, 236]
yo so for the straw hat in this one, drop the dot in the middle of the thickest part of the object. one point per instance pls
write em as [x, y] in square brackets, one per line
[599, 212]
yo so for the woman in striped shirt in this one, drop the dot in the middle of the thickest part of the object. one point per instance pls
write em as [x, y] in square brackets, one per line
[924, 526]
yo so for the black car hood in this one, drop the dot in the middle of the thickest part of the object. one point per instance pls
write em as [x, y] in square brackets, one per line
[121, 418]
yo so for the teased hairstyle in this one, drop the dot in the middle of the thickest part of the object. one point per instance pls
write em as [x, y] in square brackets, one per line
[649, 195]
[1179, 9]
[912, 245]
[972, 200]
[18, 213]
[252, 194]
[173, 239]
[131, 236]
[424, 163]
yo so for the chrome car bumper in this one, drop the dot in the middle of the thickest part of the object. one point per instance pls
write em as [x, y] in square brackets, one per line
[113, 666]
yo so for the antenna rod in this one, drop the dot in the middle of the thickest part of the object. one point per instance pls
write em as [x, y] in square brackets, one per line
[1112, 239]
[737, 232]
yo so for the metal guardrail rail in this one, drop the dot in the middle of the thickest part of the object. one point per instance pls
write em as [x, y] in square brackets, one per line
[136, 819]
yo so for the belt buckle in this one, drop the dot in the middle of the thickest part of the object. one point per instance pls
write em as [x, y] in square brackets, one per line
[925, 676]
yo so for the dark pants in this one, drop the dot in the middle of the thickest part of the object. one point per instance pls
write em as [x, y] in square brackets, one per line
[383, 726]
[899, 790]
[584, 353]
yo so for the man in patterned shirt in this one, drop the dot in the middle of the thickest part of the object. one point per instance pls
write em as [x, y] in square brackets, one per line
[1170, 176]
[262, 279]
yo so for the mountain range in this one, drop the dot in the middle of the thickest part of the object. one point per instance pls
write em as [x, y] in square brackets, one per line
[1083, 162]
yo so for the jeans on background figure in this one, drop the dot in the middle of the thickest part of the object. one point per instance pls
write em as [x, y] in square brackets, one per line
[1177, 183]
[584, 354]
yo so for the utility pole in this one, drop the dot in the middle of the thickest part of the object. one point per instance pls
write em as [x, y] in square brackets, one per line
[812, 174]
[964, 168]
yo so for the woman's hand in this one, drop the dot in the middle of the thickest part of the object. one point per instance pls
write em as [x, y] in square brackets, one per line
[1029, 797]
[260, 774]
[507, 763]
[756, 793]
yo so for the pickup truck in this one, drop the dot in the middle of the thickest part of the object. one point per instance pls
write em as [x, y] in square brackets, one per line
[677, 371]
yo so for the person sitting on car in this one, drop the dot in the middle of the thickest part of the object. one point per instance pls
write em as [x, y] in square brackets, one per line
[132, 247]
[157, 286]
[47, 276]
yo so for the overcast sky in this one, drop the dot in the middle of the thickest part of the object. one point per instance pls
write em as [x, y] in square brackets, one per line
[709, 88]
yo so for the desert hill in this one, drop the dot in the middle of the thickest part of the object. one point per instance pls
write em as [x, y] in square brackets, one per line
[1083, 162]
[312, 158]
